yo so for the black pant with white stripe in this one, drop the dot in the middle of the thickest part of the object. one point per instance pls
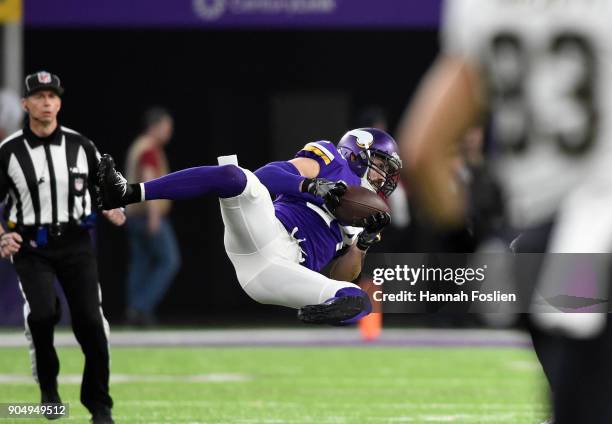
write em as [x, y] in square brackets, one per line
[579, 370]
[71, 259]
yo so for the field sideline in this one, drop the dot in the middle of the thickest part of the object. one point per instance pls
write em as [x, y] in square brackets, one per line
[313, 383]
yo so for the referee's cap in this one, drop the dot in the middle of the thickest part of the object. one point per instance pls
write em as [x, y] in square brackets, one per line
[42, 80]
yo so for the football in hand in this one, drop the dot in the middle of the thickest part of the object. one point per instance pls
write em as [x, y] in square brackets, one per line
[359, 203]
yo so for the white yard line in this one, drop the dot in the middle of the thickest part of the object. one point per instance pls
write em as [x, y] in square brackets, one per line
[294, 337]
[133, 378]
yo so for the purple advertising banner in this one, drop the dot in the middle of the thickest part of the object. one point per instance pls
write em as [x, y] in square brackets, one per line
[254, 14]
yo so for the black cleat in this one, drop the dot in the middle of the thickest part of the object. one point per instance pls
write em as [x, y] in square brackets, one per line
[102, 416]
[50, 398]
[112, 187]
[334, 311]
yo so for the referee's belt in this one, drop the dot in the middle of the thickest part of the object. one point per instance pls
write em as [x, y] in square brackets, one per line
[53, 230]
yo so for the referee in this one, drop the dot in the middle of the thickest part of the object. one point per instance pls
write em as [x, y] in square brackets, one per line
[47, 179]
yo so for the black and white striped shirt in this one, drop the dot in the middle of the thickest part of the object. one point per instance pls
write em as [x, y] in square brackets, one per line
[47, 180]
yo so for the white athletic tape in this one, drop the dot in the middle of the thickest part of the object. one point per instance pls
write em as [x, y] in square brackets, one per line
[228, 160]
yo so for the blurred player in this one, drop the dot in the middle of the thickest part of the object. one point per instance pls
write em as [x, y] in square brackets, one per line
[543, 69]
[277, 248]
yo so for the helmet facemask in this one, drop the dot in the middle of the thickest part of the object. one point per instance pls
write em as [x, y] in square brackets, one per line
[382, 171]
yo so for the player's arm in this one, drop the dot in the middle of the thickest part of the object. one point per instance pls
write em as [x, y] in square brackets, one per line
[4, 185]
[10, 242]
[3, 192]
[308, 168]
[282, 177]
[299, 175]
[446, 105]
[296, 175]
[115, 216]
[288, 177]
[348, 266]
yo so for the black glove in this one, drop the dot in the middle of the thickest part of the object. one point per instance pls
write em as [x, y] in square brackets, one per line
[372, 226]
[329, 191]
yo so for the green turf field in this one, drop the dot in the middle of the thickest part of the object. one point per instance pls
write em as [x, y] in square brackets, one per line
[301, 385]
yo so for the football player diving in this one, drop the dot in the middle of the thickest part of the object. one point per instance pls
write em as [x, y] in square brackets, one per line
[278, 247]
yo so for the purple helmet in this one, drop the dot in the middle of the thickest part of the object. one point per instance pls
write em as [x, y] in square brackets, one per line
[373, 156]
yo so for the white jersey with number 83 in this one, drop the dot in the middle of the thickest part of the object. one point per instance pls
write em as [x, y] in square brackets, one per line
[547, 72]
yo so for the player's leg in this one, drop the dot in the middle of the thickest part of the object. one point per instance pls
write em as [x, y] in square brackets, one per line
[530, 247]
[347, 306]
[41, 313]
[77, 272]
[582, 389]
[220, 181]
[273, 278]
[582, 392]
[266, 259]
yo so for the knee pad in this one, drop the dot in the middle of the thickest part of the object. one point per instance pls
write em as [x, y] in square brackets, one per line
[235, 180]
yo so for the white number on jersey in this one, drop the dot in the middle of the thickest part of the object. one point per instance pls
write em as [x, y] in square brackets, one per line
[528, 101]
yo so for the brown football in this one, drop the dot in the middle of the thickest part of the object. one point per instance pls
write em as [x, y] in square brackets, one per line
[359, 203]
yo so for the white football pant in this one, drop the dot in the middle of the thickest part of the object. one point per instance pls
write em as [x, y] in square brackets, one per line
[265, 256]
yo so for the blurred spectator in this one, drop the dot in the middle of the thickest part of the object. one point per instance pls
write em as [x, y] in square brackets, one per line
[486, 217]
[11, 113]
[155, 257]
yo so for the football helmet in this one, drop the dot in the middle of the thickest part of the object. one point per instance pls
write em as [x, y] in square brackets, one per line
[372, 155]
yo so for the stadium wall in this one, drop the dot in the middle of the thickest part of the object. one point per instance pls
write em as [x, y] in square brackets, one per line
[227, 91]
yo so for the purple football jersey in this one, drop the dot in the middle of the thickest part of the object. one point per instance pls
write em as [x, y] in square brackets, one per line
[320, 233]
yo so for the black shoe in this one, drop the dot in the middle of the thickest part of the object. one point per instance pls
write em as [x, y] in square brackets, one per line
[112, 187]
[334, 311]
[50, 397]
[102, 416]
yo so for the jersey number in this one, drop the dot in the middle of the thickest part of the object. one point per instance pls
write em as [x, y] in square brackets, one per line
[548, 94]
